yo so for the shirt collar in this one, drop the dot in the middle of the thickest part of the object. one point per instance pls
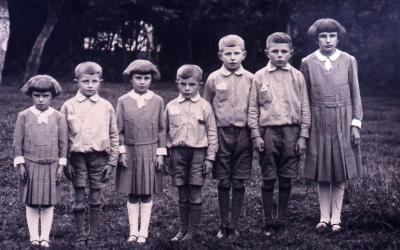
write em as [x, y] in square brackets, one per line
[148, 95]
[226, 72]
[80, 97]
[331, 58]
[42, 115]
[271, 67]
[195, 98]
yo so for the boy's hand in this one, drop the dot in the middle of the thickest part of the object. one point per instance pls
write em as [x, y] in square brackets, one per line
[23, 173]
[107, 172]
[160, 163]
[60, 171]
[69, 172]
[258, 144]
[207, 167]
[167, 164]
[301, 146]
[355, 135]
[123, 160]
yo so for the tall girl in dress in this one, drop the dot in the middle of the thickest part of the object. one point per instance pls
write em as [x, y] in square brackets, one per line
[333, 152]
[141, 125]
[40, 149]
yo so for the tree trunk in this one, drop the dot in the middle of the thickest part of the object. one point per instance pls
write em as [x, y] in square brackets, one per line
[33, 63]
[4, 33]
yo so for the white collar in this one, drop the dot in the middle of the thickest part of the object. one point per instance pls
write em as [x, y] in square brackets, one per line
[271, 67]
[226, 72]
[80, 97]
[195, 98]
[332, 58]
[42, 116]
[141, 100]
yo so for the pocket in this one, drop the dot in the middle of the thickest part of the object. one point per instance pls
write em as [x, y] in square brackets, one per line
[73, 125]
[265, 97]
[221, 94]
[174, 120]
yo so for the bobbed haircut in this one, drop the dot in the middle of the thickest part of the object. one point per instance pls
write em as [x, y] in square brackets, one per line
[90, 68]
[326, 25]
[279, 37]
[230, 41]
[189, 70]
[42, 83]
[143, 67]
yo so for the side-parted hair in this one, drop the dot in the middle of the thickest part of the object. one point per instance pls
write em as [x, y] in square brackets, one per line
[230, 41]
[90, 68]
[326, 25]
[279, 37]
[42, 83]
[189, 70]
[141, 66]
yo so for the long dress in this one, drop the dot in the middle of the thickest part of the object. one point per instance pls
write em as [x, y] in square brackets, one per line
[41, 145]
[335, 102]
[142, 132]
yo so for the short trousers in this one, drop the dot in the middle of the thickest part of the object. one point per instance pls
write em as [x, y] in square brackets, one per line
[187, 165]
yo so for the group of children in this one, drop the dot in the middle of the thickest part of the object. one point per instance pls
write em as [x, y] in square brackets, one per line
[280, 112]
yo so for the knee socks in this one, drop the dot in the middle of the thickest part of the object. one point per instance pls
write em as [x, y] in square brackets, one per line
[223, 202]
[337, 201]
[267, 198]
[285, 188]
[32, 219]
[46, 220]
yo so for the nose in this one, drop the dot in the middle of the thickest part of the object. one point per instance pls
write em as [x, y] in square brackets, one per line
[328, 39]
[41, 99]
[90, 85]
[187, 88]
[233, 57]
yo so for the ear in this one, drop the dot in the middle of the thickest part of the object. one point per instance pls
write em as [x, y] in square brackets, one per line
[76, 80]
[244, 54]
[220, 55]
[266, 52]
[291, 52]
[201, 83]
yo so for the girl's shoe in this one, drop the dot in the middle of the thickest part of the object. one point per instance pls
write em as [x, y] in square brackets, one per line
[336, 228]
[141, 239]
[132, 238]
[35, 243]
[322, 227]
[45, 243]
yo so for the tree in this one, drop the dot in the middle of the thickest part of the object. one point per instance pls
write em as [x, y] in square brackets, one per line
[4, 33]
[33, 63]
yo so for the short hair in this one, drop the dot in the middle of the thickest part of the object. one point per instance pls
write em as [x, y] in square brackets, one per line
[90, 68]
[189, 70]
[279, 37]
[326, 25]
[42, 83]
[142, 67]
[231, 41]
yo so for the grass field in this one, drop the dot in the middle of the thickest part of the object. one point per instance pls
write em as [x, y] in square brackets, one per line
[371, 214]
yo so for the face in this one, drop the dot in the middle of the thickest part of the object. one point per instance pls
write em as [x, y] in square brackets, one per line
[327, 42]
[188, 87]
[88, 84]
[232, 57]
[279, 53]
[140, 82]
[42, 100]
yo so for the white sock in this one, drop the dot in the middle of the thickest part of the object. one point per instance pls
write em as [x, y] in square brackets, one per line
[145, 213]
[133, 216]
[337, 201]
[32, 218]
[324, 195]
[46, 220]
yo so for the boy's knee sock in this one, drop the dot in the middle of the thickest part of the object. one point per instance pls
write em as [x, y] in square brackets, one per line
[79, 218]
[32, 219]
[267, 198]
[46, 220]
[133, 217]
[195, 216]
[237, 201]
[183, 193]
[324, 195]
[94, 215]
[337, 201]
[145, 214]
[285, 188]
[223, 202]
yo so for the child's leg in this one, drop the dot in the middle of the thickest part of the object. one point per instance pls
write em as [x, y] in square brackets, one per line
[337, 201]
[46, 220]
[94, 213]
[195, 211]
[32, 219]
[224, 187]
[324, 195]
[238, 191]
[133, 216]
[183, 193]
[145, 207]
[285, 188]
[78, 209]
[267, 197]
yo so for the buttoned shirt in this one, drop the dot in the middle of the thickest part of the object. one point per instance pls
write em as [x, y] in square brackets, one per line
[191, 123]
[279, 97]
[229, 92]
[92, 126]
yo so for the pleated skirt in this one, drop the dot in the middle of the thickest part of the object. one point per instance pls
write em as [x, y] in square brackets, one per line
[330, 155]
[40, 188]
[140, 176]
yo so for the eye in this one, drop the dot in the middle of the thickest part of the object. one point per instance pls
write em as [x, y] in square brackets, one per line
[192, 84]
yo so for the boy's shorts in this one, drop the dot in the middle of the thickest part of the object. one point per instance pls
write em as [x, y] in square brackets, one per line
[88, 169]
[279, 157]
[234, 156]
[187, 165]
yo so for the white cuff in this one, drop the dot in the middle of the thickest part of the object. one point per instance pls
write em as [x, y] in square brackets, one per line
[356, 123]
[122, 149]
[161, 151]
[62, 161]
[18, 160]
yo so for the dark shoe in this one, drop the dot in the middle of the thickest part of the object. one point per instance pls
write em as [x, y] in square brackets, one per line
[223, 232]
[189, 236]
[179, 236]
[322, 227]
[233, 232]
[336, 228]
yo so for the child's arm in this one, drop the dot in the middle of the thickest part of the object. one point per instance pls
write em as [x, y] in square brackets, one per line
[114, 144]
[121, 128]
[305, 117]
[356, 102]
[253, 115]
[209, 91]
[212, 139]
[162, 138]
[18, 142]
[62, 146]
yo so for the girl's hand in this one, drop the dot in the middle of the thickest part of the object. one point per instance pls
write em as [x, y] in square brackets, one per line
[107, 172]
[301, 146]
[23, 173]
[207, 167]
[69, 172]
[160, 163]
[123, 160]
[355, 135]
[258, 144]
[59, 174]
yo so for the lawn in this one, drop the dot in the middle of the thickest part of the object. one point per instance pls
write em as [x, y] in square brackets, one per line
[371, 214]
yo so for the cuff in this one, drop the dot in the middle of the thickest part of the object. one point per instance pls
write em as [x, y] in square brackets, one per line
[62, 161]
[304, 132]
[122, 149]
[210, 158]
[255, 132]
[161, 151]
[18, 160]
[356, 123]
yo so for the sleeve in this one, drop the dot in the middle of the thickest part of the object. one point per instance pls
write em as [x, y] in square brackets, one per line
[305, 108]
[18, 140]
[114, 139]
[121, 126]
[355, 94]
[253, 112]
[162, 137]
[209, 90]
[306, 74]
[62, 140]
[212, 135]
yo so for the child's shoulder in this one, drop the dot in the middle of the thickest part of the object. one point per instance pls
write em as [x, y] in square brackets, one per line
[205, 104]
[24, 112]
[172, 102]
